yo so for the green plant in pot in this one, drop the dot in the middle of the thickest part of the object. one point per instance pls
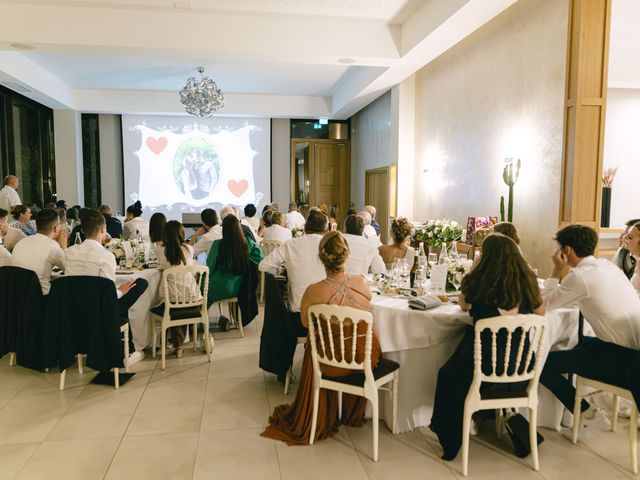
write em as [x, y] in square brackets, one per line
[510, 179]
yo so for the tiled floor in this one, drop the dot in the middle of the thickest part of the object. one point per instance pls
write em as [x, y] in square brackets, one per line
[201, 420]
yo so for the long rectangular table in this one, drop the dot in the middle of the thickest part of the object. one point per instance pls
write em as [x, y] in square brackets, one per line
[422, 341]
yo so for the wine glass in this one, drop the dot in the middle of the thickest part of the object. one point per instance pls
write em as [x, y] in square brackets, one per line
[405, 272]
[456, 279]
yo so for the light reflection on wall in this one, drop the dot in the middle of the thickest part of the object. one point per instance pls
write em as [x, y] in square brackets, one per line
[434, 177]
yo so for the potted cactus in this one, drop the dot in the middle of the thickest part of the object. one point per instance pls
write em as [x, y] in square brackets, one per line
[510, 179]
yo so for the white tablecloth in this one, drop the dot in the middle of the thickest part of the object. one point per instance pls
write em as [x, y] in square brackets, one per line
[422, 341]
[139, 313]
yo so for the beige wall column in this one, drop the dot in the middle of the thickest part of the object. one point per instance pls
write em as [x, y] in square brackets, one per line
[586, 98]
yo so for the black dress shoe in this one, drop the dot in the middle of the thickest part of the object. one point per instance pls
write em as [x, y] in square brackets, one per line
[223, 324]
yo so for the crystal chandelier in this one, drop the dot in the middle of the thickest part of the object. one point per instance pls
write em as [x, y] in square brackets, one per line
[201, 97]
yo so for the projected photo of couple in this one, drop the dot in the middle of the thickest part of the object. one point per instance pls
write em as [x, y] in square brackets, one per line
[196, 168]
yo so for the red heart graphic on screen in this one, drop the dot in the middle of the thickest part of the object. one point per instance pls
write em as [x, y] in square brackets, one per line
[156, 145]
[237, 188]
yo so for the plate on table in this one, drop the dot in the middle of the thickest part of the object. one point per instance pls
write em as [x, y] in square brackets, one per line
[124, 272]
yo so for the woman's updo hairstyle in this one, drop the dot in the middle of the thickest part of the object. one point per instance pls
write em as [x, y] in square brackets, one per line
[334, 251]
[135, 209]
[401, 229]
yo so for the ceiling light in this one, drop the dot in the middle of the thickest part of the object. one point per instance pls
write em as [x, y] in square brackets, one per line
[22, 46]
[201, 97]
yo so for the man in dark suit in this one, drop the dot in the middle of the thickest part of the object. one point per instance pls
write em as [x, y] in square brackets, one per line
[114, 226]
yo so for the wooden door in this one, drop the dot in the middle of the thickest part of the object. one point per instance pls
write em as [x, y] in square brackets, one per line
[331, 181]
[376, 193]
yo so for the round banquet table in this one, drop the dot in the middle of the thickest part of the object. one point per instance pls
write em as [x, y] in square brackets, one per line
[422, 341]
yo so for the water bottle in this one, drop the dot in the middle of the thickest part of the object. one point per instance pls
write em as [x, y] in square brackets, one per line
[443, 253]
[421, 270]
[453, 253]
[78, 240]
[422, 257]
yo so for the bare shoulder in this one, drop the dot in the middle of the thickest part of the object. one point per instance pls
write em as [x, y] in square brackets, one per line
[361, 284]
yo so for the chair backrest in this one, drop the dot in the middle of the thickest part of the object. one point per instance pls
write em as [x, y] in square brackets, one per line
[182, 286]
[525, 333]
[268, 246]
[327, 326]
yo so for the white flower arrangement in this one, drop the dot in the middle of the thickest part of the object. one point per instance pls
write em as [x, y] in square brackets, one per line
[116, 246]
[436, 231]
[456, 265]
[297, 232]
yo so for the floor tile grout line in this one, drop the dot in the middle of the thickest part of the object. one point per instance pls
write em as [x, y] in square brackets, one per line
[204, 403]
[448, 465]
[115, 452]
[275, 447]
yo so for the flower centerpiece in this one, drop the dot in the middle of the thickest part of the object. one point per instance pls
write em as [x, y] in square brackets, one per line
[456, 269]
[297, 232]
[117, 247]
[438, 231]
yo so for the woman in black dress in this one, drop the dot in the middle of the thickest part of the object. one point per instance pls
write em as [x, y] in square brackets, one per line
[501, 283]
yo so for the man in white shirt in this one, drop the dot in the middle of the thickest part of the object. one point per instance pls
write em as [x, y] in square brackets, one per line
[250, 217]
[363, 254]
[611, 306]
[11, 236]
[5, 256]
[369, 232]
[276, 231]
[92, 259]
[294, 218]
[208, 233]
[9, 198]
[44, 250]
[300, 258]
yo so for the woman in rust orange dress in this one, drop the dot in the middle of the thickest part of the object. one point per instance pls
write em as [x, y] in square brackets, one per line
[292, 423]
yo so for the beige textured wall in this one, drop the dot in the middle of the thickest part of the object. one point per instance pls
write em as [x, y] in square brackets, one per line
[497, 94]
[370, 143]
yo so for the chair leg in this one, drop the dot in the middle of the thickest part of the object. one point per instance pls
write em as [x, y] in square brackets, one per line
[499, 423]
[466, 427]
[614, 412]
[339, 405]
[375, 423]
[287, 381]
[207, 339]
[238, 315]
[394, 405]
[314, 418]
[80, 366]
[195, 335]
[116, 377]
[576, 411]
[62, 376]
[154, 339]
[126, 350]
[533, 437]
[12, 359]
[163, 347]
[633, 438]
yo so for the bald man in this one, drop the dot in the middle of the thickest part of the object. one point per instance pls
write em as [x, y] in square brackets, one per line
[9, 198]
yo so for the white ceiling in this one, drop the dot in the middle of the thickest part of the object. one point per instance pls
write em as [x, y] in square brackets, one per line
[277, 58]
[624, 53]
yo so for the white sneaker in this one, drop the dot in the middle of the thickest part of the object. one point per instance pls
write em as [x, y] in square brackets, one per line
[592, 421]
[136, 357]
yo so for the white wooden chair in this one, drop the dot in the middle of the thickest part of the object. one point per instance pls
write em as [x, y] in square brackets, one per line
[618, 392]
[233, 310]
[184, 304]
[267, 246]
[534, 327]
[365, 381]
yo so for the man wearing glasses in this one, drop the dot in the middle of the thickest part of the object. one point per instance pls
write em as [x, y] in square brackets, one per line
[611, 306]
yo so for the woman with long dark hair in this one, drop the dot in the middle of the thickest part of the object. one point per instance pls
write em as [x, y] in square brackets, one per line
[157, 223]
[229, 259]
[500, 284]
[172, 252]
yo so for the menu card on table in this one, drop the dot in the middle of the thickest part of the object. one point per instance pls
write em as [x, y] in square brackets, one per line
[439, 278]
